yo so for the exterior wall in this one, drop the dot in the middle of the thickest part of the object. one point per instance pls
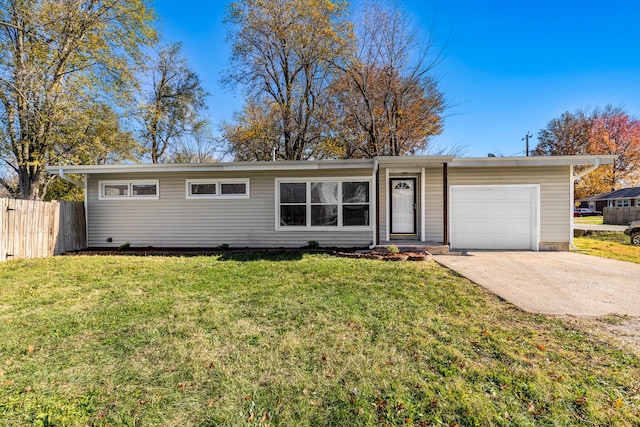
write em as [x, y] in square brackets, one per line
[174, 221]
[434, 212]
[555, 193]
[433, 203]
[382, 200]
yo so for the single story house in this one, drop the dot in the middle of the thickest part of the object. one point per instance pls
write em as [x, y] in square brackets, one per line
[623, 198]
[512, 203]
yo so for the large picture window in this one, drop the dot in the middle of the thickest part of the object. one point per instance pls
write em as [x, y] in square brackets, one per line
[323, 203]
[217, 188]
[123, 190]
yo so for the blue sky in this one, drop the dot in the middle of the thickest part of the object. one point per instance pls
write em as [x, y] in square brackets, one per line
[510, 66]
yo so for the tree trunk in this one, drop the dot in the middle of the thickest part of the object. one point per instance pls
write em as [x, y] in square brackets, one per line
[29, 178]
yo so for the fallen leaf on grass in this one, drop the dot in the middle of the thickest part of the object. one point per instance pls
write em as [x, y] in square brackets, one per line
[265, 418]
[541, 347]
[618, 402]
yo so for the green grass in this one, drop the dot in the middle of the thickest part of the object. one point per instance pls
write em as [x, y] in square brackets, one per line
[290, 340]
[597, 220]
[608, 244]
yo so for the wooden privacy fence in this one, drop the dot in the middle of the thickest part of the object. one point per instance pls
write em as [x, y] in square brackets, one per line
[620, 216]
[33, 229]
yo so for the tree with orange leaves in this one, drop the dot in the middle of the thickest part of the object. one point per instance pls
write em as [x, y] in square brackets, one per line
[603, 131]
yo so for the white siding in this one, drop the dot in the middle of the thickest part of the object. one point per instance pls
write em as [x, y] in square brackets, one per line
[434, 210]
[433, 203]
[555, 188]
[174, 221]
[382, 204]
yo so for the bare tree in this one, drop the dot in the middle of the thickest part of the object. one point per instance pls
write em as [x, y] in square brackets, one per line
[171, 109]
[282, 54]
[387, 98]
[201, 147]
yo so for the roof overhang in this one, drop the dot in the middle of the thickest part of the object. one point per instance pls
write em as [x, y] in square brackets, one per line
[532, 161]
[413, 161]
[213, 167]
[311, 165]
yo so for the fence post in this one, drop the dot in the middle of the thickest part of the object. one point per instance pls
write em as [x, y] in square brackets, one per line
[4, 229]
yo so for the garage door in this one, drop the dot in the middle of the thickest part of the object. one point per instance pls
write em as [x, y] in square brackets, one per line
[494, 217]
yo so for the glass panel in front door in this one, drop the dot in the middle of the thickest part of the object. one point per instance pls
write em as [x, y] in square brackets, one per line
[403, 206]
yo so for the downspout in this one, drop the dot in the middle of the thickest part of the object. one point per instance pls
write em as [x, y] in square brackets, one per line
[62, 175]
[86, 211]
[445, 204]
[374, 202]
[590, 169]
[574, 178]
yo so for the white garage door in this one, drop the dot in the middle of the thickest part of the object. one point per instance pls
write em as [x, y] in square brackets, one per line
[494, 217]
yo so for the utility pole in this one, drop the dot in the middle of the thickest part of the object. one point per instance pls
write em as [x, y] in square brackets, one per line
[526, 138]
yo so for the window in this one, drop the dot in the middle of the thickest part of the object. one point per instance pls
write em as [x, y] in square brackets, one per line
[217, 188]
[323, 204]
[623, 203]
[124, 190]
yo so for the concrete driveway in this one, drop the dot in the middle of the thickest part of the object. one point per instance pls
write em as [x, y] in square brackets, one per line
[554, 282]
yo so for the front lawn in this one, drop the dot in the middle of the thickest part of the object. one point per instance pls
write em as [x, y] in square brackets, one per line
[290, 340]
[597, 220]
[608, 244]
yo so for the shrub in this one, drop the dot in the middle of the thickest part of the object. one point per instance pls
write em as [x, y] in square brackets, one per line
[393, 249]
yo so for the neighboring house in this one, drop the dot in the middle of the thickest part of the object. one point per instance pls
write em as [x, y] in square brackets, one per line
[514, 203]
[624, 198]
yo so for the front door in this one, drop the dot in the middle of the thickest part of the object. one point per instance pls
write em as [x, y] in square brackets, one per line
[403, 206]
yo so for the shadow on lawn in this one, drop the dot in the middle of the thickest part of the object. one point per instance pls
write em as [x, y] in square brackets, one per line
[265, 255]
[238, 254]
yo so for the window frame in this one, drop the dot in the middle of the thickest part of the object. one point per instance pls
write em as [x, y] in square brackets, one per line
[623, 203]
[308, 204]
[218, 183]
[130, 184]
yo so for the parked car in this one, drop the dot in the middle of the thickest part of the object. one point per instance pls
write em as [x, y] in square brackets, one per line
[633, 231]
[586, 212]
